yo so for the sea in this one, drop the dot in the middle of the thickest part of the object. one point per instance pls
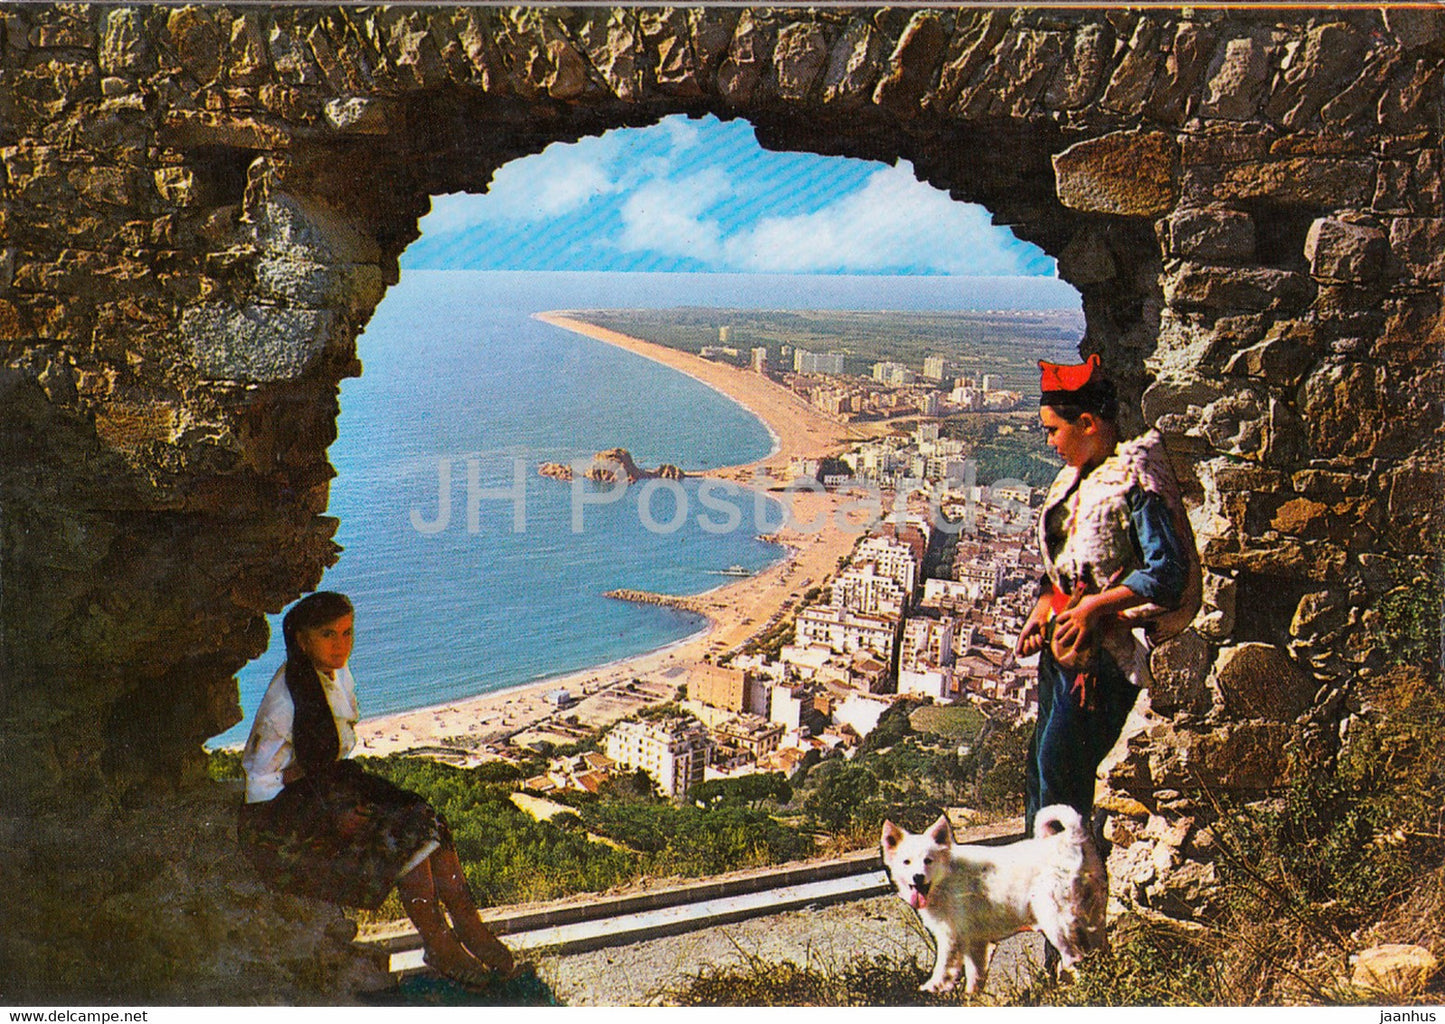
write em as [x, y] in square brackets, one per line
[470, 572]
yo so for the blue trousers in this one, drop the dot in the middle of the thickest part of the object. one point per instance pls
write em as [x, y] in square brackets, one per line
[1069, 740]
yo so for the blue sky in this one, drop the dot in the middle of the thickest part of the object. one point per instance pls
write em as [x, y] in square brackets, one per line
[703, 196]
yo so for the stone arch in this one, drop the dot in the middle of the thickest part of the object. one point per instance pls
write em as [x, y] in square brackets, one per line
[202, 205]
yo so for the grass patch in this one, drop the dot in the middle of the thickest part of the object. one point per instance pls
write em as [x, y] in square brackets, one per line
[959, 723]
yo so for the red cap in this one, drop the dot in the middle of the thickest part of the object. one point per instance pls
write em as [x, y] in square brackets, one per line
[1058, 377]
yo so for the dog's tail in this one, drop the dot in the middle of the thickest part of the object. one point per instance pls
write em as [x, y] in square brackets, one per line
[1088, 888]
[1058, 818]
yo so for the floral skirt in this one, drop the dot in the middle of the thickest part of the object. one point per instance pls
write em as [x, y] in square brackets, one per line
[340, 835]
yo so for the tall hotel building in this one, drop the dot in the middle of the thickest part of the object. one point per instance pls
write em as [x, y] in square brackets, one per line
[673, 752]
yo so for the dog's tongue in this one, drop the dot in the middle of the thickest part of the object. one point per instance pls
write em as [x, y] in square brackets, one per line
[916, 900]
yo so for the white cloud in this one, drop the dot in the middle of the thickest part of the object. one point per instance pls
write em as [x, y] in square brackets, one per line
[894, 221]
[561, 179]
[682, 132]
[666, 216]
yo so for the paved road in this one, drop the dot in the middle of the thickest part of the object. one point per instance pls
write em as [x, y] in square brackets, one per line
[644, 973]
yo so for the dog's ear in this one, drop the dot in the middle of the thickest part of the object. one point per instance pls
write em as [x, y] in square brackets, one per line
[941, 834]
[892, 836]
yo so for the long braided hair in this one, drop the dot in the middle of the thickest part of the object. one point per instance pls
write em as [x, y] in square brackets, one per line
[313, 731]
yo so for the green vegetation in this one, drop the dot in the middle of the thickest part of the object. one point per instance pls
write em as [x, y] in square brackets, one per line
[224, 766]
[626, 832]
[1005, 447]
[910, 775]
[976, 342]
[1409, 622]
[772, 640]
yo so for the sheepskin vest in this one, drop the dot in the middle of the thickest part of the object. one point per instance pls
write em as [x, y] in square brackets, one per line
[1099, 544]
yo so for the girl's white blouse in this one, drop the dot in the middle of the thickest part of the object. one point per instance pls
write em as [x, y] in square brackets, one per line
[269, 751]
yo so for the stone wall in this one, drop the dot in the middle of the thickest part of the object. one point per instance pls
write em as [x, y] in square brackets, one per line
[201, 207]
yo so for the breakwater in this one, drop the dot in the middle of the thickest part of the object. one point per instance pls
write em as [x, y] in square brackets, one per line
[687, 604]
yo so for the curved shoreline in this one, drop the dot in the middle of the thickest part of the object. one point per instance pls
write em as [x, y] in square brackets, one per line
[733, 610]
[561, 319]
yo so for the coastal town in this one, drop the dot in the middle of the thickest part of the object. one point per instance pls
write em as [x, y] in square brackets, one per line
[905, 578]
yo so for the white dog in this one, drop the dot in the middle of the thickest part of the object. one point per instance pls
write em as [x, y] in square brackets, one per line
[970, 897]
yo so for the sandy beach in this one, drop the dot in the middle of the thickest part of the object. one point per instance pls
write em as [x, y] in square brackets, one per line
[463, 730]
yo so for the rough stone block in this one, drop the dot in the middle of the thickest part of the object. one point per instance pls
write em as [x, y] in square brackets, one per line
[1394, 969]
[291, 60]
[972, 48]
[362, 115]
[1358, 410]
[1306, 181]
[1328, 60]
[124, 47]
[1411, 100]
[1240, 755]
[920, 48]
[1216, 617]
[358, 287]
[1301, 517]
[305, 230]
[1087, 259]
[799, 60]
[1413, 505]
[1319, 618]
[1211, 234]
[133, 424]
[1250, 289]
[1133, 80]
[852, 68]
[114, 186]
[1238, 80]
[1283, 357]
[1132, 174]
[176, 185]
[1415, 28]
[248, 62]
[1179, 668]
[194, 39]
[194, 129]
[254, 343]
[1260, 681]
[1077, 79]
[1173, 96]
[1419, 243]
[741, 70]
[1339, 250]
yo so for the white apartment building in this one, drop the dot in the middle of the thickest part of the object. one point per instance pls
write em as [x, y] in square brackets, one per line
[817, 362]
[673, 752]
[845, 632]
[936, 683]
[760, 359]
[981, 580]
[967, 398]
[752, 734]
[941, 592]
[927, 643]
[935, 367]
[862, 588]
[860, 713]
[892, 557]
